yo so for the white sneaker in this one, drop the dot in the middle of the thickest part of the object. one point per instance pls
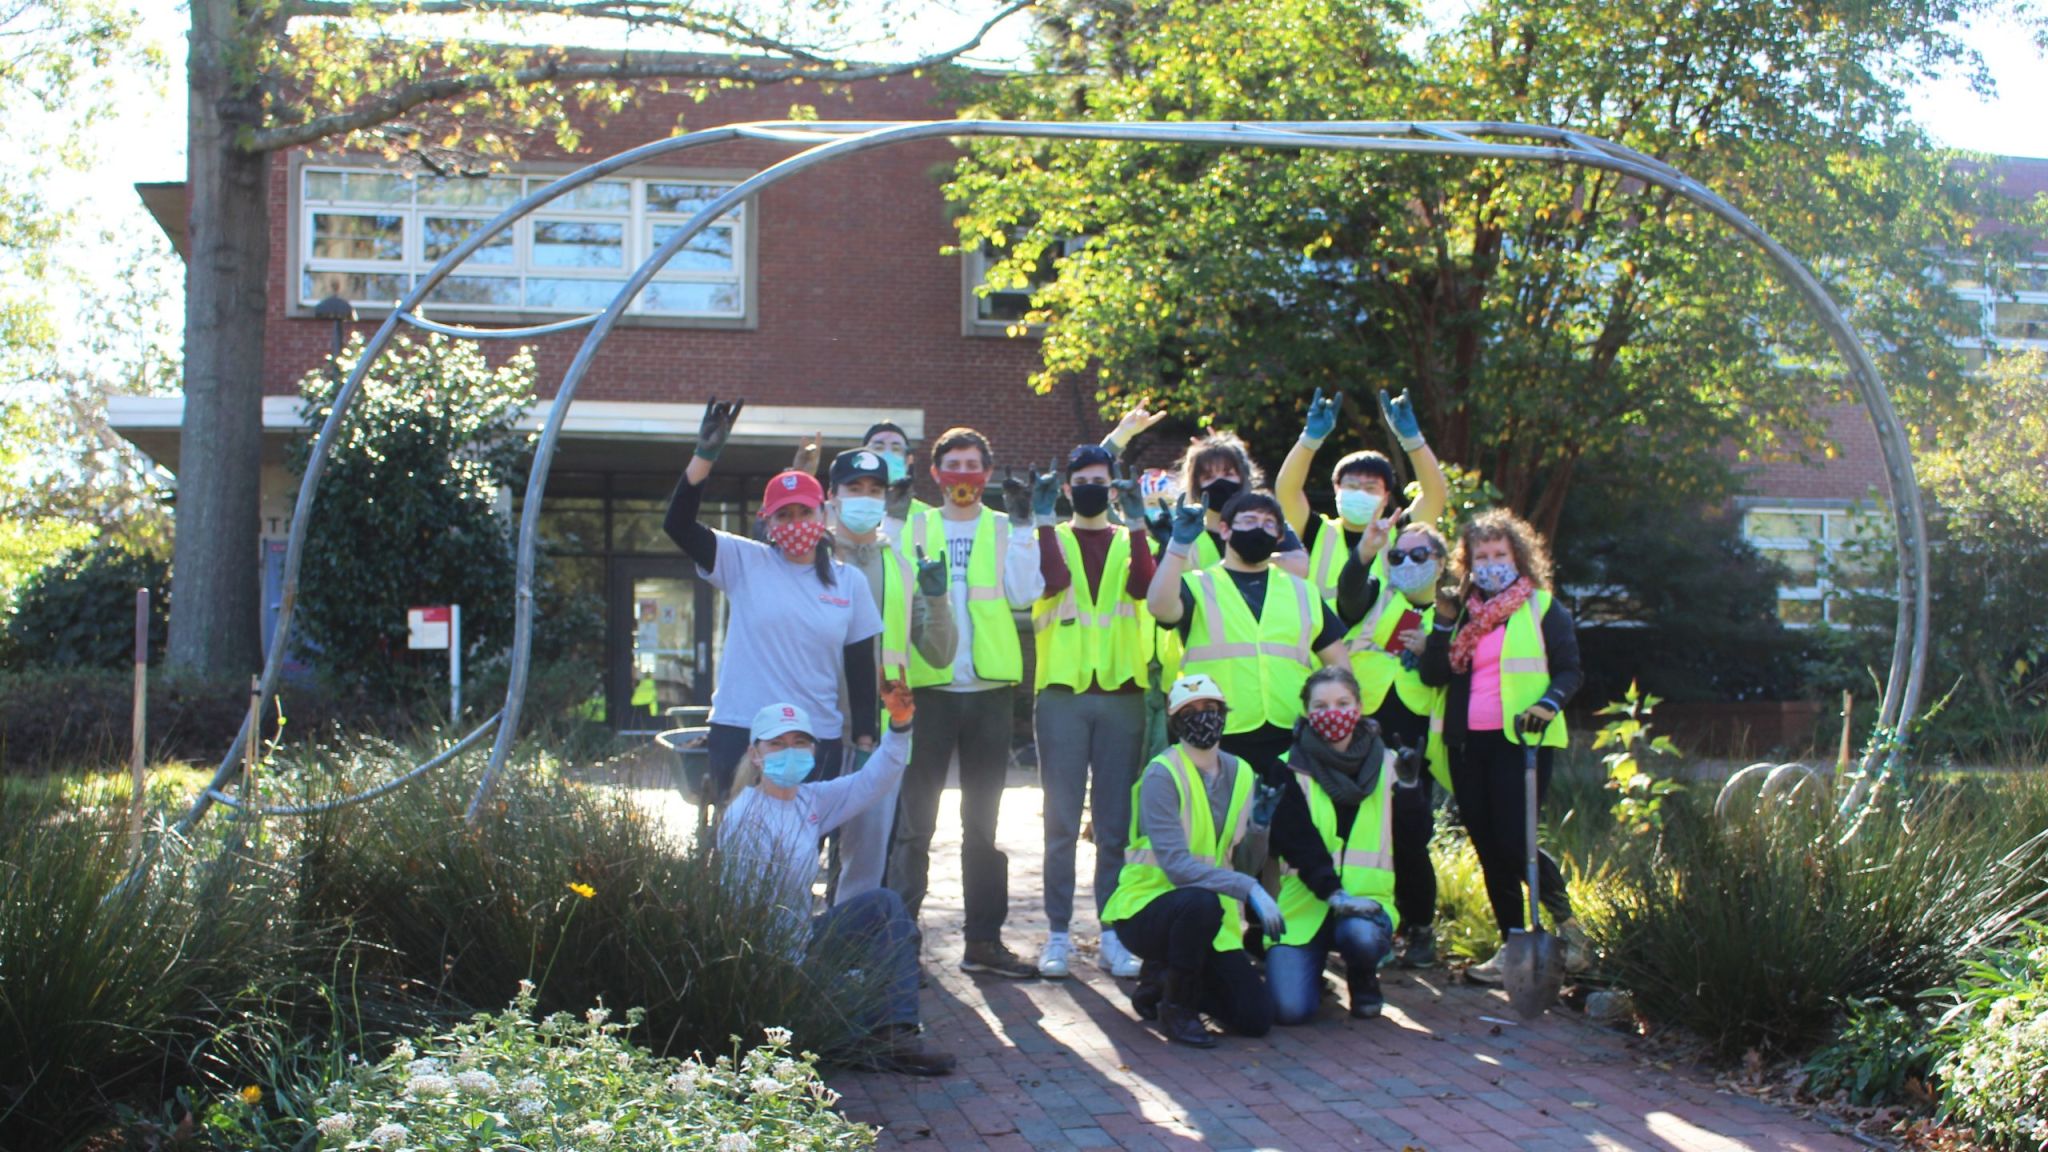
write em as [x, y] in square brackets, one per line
[1487, 972]
[1116, 959]
[1053, 958]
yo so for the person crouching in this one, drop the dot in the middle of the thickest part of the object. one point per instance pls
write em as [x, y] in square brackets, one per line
[1179, 903]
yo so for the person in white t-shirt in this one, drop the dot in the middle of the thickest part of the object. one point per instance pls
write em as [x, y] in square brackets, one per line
[770, 835]
[796, 617]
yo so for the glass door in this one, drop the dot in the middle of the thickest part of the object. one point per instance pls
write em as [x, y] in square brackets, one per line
[662, 636]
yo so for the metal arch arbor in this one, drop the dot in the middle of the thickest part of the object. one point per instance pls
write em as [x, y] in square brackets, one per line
[826, 141]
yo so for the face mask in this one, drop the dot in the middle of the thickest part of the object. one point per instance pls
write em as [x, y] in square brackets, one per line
[897, 464]
[963, 488]
[1089, 499]
[1410, 576]
[1493, 577]
[796, 537]
[788, 767]
[1253, 545]
[1334, 725]
[861, 514]
[1200, 729]
[1357, 506]
[1216, 493]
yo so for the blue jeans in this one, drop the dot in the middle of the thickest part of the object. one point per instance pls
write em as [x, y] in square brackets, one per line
[1294, 972]
[872, 929]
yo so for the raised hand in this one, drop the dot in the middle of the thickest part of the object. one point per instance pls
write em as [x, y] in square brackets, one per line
[1017, 498]
[717, 427]
[896, 506]
[1322, 417]
[1045, 494]
[1399, 413]
[1188, 522]
[808, 454]
[902, 706]
[1128, 499]
[1137, 420]
[931, 575]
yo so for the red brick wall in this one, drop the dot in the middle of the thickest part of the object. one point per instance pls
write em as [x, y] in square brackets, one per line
[856, 305]
[1855, 472]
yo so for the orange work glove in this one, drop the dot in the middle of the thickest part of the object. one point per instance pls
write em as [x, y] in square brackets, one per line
[897, 699]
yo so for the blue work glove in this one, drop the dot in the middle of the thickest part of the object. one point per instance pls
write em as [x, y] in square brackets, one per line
[716, 427]
[1188, 522]
[1322, 417]
[1267, 913]
[1265, 799]
[1399, 413]
[1129, 501]
[1045, 494]
[931, 575]
[1345, 904]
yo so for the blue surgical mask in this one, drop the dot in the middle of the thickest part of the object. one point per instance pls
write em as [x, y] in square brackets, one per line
[898, 466]
[861, 513]
[1356, 506]
[788, 767]
[1493, 577]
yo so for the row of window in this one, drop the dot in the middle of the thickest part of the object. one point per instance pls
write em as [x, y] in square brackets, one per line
[1826, 552]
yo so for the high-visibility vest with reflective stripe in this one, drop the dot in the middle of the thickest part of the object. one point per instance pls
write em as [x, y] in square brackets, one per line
[1326, 559]
[997, 654]
[1524, 675]
[1364, 857]
[1086, 638]
[1143, 880]
[899, 584]
[1261, 665]
[1377, 664]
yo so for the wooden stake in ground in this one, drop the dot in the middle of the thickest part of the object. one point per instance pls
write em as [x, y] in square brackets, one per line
[1848, 716]
[138, 732]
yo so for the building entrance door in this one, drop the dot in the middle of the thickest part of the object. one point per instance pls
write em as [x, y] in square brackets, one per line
[661, 627]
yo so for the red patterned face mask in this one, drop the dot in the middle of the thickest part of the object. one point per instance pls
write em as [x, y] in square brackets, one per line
[797, 537]
[1334, 725]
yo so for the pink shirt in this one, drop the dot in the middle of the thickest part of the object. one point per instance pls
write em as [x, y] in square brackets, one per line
[1483, 712]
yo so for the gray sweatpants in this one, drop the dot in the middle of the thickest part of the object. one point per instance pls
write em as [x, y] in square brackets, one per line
[1078, 732]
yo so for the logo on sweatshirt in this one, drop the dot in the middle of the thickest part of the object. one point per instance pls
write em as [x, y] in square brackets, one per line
[835, 601]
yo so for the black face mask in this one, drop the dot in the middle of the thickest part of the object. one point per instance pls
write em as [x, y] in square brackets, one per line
[1199, 729]
[1089, 499]
[1216, 493]
[1253, 545]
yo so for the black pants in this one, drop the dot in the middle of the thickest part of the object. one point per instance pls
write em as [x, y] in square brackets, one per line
[978, 725]
[1414, 817]
[1486, 777]
[1178, 929]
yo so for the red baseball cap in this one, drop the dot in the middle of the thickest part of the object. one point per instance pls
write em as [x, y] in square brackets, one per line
[791, 487]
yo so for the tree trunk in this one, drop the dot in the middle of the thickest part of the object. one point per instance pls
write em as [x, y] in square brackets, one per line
[215, 580]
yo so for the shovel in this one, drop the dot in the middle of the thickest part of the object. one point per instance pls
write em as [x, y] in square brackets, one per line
[1532, 962]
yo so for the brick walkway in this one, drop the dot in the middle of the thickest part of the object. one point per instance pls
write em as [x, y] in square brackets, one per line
[1449, 1068]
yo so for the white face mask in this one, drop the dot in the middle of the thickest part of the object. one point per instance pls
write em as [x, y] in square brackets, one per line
[1356, 506]
[1493, 576]
[1411, 576]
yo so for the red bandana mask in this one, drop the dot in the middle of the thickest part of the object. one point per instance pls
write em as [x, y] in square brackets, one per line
[797, 537]
[1334, 725]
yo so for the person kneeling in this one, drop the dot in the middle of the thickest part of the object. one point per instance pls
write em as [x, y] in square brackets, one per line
[1179, 904]
[1332, 830]
[772, 830]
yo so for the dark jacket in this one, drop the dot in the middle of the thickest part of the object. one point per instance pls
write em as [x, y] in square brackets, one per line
[1560, 644]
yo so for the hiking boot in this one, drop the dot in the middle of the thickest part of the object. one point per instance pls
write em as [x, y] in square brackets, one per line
[1053, 958]
[1418, 948]
[1178, 1017]
[1366, 1000]
[1578, 951]
[898, 1048]
[1116, 959]
[1145, 997]
[992, 957]
[1487, 972]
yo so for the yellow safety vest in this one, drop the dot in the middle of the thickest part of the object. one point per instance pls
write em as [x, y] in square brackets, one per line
[997, 654]
[1143, 880]
[1260, 664]
[1524, 676]
[1364, 858]
[1378, 668]
[1165, 639]
[1326, 559]
[899, 585]
[1086, 638]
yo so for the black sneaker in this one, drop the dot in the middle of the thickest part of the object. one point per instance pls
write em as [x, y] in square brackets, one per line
[1366, 1000]
[1418, 948]
[992, 957]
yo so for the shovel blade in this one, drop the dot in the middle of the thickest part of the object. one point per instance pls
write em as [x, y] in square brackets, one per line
[1532, 970]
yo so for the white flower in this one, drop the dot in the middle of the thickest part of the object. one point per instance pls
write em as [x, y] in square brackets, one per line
[529, 1085]
[390, 1135]
[778, 1035]
[477, 1082]
[425, 1066]
[684, 1082]
[402, 1050]
[786, 1070]
[339, 1126]
[767, 1085]
[529, 1106]
[624, 1060]
[431, 1084]
[596, 1131]
[736, 1142]
[598, 1015]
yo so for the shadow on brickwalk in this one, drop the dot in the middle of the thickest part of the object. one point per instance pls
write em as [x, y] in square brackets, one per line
[1449, 1068]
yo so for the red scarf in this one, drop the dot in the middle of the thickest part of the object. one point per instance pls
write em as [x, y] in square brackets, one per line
[1483, 616]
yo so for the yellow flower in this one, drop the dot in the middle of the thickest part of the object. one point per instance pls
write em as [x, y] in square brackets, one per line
[252, 1095]
[583, 890]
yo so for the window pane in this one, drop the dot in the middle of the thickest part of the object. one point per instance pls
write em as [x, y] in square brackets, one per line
[359, 187]
[683, 198]
[636, 526]
[361, 287]
[470, 191]
[1783, 525]
[576, 244]
[1802, 568]
[572, 524]
[477, 290]
[342, 237]
[580, 295]
[603, 196]
[707, 251]
[686, 299]
[1004, 306]
[440, 235]
[2019, 321]
[1801, 611]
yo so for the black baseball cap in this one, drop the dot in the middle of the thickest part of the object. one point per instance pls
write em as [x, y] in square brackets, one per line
[1090, 454]
[852, 465]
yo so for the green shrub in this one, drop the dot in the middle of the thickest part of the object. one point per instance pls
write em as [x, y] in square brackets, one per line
[1879, 1047]
[1994, 1076]
[79, 611]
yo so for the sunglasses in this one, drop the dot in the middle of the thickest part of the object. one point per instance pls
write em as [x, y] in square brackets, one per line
[1420, 554]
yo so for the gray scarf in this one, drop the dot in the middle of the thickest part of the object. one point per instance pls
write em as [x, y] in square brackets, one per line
[1349, 776]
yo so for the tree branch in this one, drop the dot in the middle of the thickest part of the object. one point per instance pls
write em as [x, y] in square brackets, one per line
[389, 105]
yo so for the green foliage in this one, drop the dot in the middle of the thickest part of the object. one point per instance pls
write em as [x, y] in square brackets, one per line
[407, 512]
[79, 610]
[1995, 1073]
[1879, 1048]
[507, 1079]
[1638, 795]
